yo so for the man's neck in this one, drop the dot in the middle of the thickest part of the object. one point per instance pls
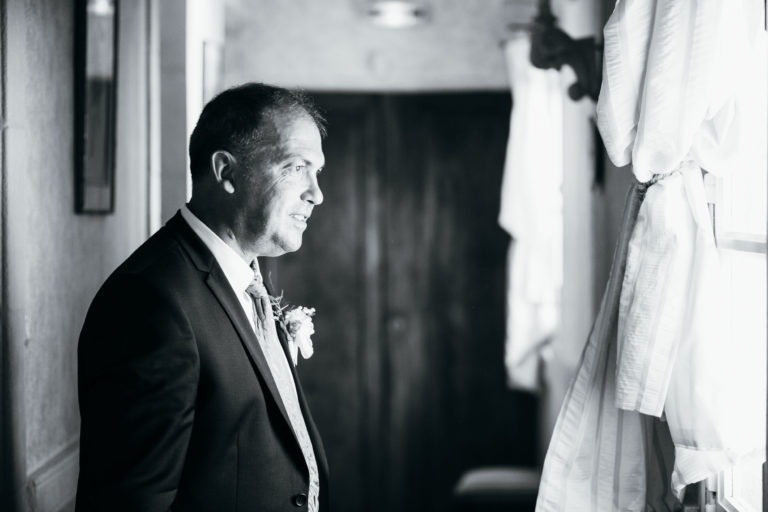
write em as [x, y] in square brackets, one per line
[221, 229]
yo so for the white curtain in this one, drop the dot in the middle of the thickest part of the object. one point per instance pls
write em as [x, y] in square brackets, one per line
[674, 100]
[531, 212]
[595, 458]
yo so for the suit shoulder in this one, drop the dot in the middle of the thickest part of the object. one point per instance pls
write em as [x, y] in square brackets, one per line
[160, 266]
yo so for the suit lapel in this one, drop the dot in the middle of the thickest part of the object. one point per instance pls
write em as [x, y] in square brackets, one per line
[203, 259]
[221, 289]
[223, 292]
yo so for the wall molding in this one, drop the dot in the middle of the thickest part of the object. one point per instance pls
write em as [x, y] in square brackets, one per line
[52, 486]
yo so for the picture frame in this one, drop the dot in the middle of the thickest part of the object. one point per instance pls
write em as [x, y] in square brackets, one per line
[96, 64]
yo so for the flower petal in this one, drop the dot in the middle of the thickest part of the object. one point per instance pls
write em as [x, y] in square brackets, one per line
[305, 345]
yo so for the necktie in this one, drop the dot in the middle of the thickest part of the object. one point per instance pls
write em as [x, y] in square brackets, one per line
[281, 373]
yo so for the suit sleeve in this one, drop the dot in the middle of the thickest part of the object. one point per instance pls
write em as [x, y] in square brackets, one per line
[138, 374]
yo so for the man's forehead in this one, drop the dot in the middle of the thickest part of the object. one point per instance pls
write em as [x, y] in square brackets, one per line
[291, 134]
[298, 129]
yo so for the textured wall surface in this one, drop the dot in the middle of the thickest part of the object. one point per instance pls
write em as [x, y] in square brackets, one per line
[330, 45]
[56, 259]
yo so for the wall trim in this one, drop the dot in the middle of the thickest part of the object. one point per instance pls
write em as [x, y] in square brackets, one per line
[12, 432]
[6, 447]
[52, 486]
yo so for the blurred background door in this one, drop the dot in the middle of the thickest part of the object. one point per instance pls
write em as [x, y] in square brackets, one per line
[405, 264]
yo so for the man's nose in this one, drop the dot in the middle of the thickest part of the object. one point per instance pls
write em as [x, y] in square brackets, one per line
[313, 194]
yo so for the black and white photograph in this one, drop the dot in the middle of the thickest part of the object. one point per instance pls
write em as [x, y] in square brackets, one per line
[383, 255]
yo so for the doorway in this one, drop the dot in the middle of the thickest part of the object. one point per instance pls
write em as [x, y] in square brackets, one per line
[405, 264]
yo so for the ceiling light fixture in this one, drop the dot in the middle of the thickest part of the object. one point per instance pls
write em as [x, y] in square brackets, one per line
[397, 13]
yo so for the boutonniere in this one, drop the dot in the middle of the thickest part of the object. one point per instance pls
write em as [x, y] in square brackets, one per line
[296, 323]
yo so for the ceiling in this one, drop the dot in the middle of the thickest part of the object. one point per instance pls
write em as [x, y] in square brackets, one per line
[331, 45]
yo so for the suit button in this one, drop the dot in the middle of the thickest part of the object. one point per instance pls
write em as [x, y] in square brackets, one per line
[300, 500]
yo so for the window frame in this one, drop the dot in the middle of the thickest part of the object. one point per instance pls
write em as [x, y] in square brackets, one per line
[722, 485]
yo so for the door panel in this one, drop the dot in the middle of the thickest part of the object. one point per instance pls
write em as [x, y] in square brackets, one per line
[405, 264]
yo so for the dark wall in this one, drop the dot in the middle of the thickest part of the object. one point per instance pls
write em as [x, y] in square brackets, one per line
[405, 264]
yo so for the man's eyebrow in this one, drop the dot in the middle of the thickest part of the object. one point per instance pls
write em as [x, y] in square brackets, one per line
[295, 156]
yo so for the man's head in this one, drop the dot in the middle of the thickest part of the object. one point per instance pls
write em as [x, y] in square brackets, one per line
[255, 155]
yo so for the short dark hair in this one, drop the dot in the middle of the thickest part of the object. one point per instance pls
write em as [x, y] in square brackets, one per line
[232, 120]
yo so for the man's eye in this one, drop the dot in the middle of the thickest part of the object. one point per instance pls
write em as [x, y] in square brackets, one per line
[298, 168]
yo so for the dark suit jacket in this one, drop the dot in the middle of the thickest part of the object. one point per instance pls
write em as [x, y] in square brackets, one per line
[179, 409]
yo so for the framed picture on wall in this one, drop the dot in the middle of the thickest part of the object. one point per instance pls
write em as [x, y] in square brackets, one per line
[95, 105]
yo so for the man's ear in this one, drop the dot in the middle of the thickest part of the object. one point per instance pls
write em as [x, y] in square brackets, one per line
[223, 164]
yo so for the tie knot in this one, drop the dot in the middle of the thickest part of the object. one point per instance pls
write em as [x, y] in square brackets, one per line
[256, 287]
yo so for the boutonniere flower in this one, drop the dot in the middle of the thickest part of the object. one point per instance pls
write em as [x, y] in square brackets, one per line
[296, 323]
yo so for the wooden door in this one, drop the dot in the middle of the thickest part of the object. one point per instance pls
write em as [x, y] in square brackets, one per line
[405, 264]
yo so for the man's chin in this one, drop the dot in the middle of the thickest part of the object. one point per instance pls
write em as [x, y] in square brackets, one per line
[275, 246]
[287, 246]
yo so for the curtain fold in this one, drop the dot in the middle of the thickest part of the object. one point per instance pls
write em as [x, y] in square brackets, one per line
[531, 212]
[673, 79]
[684, 108]
[596, 458]
[675, 101]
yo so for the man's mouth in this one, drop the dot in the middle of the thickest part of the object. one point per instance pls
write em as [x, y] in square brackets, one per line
[299, 217]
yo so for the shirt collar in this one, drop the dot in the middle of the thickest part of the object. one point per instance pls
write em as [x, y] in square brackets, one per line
[237, 271]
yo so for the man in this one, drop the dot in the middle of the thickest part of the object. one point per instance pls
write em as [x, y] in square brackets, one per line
[187, 397]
